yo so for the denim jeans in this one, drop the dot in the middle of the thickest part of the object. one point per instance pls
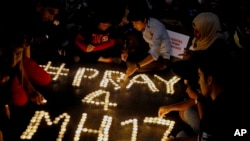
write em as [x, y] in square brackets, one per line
[191, 116]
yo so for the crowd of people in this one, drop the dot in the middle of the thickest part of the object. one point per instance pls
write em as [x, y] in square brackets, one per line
[214, 65]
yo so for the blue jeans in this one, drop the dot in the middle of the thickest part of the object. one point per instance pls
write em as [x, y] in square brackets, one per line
[191, 116]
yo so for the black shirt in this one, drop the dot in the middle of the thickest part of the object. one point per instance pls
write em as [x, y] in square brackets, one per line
[224, 117]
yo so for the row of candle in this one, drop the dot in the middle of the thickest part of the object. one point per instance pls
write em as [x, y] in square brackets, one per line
[89, 99]
[36, 120]
[110, 76]
[103, 131]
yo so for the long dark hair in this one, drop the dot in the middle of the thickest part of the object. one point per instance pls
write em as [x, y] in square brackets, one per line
[14, 37]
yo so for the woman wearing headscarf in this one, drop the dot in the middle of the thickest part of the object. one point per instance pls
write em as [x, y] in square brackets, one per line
[208, 35]
[208, 38]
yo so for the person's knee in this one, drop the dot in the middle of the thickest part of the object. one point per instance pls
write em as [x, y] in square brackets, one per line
[191, 117]
[181, 114]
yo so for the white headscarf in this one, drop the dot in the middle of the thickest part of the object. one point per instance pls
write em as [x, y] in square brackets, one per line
[208, 25]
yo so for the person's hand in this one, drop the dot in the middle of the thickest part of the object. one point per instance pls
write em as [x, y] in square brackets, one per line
[186, 54]
[7, 111]
[131, 70]
[56, 22]
[4, 79]
[191, 93]
[163, 110]
[90, 48]
[37, 98]
[124, 56]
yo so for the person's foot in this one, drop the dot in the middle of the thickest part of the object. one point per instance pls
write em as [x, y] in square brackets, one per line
[77, 59]
[148, 69]
[116, 60]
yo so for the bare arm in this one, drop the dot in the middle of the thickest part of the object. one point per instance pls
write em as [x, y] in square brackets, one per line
[200, 109]
[26, 51]
[163, 110]
[146, 61]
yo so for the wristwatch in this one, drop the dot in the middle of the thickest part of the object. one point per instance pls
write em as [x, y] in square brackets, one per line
[197, 100]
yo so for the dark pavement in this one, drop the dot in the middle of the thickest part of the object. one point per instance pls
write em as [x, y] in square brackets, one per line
[127, 101]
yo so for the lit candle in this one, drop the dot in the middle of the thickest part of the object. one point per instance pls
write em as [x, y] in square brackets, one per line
[143, 79]
[161, 121]
[36, 120]
[89, 99]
